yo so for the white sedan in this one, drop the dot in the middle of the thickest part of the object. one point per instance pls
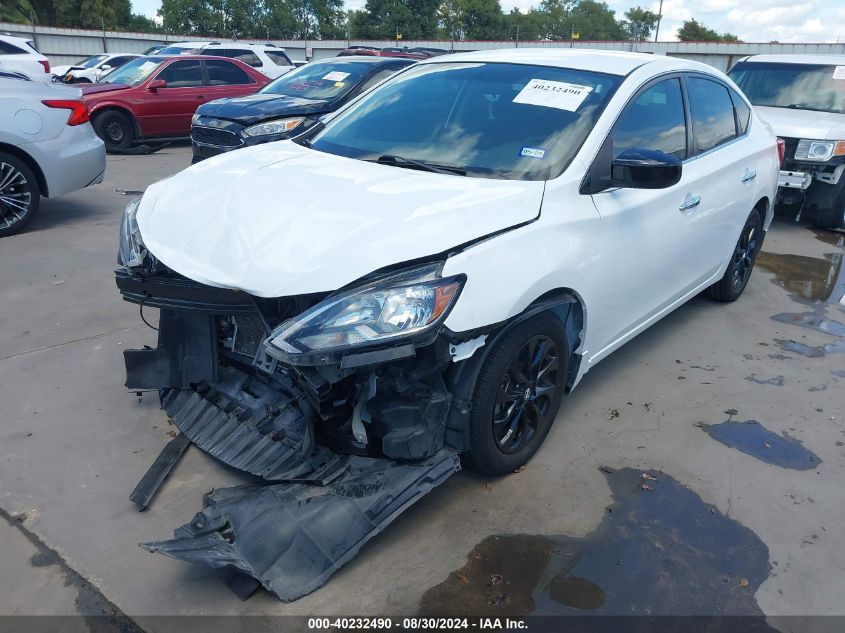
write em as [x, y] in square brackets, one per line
[426, 273]
[91, 69]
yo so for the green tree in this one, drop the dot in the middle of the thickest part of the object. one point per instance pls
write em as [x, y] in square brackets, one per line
[524, 27]
[555, 19]
[594, 20]
[639, 23]
[694, 31]
[481, 19]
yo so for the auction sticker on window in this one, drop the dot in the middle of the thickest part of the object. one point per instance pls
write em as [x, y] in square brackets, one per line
[553, 94]
[839, 72]
[532, 152]
[336, 75]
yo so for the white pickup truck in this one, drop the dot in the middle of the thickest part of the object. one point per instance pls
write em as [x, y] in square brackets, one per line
[803, 98]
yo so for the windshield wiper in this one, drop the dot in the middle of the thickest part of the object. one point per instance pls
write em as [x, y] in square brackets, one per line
[410, 163]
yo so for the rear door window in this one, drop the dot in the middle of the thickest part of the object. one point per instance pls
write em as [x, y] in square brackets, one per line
[221, 73]
[182, 74]
[279, 58]
[712, 111]
[10, 49]
[654, 120]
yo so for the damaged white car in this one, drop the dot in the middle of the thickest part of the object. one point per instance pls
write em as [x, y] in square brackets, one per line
[419, 280]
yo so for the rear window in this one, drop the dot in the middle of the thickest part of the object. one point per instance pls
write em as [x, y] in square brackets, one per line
[10, 49]
[242, 55]
[798, 86]
[279, 58]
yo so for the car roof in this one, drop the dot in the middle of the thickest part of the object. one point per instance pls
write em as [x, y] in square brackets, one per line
[244, 45]
[14, 38]
[824, 60]
[605, 61]
[367, 59]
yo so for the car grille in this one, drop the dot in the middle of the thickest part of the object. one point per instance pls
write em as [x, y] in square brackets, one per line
[212, 136]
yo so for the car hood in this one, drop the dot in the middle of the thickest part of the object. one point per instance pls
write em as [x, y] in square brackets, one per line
[62, 70]
[279, 219]
[793, 123]
[98, 88]
[260, 107]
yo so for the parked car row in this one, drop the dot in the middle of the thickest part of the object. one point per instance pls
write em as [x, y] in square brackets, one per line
[416, 52]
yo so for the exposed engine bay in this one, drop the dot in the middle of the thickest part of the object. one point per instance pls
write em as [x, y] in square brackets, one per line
[339, 444]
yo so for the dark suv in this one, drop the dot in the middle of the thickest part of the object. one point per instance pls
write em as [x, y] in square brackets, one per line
[287, 106]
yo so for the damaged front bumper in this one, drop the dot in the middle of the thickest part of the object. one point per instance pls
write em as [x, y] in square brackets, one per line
[338, 449]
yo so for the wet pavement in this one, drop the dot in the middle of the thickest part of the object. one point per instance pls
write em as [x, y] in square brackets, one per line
[658, 550]
[752, 438]
[718, 531]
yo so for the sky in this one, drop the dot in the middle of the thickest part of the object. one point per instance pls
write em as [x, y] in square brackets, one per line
[751, 20]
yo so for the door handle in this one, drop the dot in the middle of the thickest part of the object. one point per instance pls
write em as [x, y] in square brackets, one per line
[690, 202]
[749, 175]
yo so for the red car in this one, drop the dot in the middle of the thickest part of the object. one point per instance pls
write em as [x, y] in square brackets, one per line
[155, 97]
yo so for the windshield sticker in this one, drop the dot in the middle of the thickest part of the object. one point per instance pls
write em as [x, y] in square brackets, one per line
[147, 66]
[336, 75]
[839, 72]
[339, 84]
[553, 94]
[532, 152]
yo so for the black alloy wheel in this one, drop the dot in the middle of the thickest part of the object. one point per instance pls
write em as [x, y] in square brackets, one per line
[736, 277]
[526, 394]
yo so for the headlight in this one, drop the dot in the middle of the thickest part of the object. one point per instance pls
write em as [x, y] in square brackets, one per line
[819, 150]
[279, 126]
[409, 305]
[131, 251]
[195, 117]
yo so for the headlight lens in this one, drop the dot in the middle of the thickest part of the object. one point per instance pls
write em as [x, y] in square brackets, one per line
[195, 117]
[279, 126]
[131, 251]
[409, 304]
[819, 150]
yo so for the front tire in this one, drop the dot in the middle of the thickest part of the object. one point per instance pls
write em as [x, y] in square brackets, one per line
[736, 277]
[20, 195]
[116, 129]
[517, 395]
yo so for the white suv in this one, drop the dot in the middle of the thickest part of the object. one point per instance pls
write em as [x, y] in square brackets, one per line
[18, 55]
[265, 58]
[803, 98]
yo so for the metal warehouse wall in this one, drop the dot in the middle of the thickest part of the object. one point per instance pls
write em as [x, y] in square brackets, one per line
[63, 46]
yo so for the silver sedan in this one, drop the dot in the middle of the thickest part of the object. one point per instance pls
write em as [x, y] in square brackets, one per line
[47, 148]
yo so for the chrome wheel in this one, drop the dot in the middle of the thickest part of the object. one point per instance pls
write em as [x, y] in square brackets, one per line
[744, 254]
[15, 196]
[526, 394]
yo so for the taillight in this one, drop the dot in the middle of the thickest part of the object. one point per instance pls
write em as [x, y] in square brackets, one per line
[46, 65]
[78, 110]
[781, 150]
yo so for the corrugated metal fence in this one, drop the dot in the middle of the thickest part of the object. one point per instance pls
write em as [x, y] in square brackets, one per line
[64, 46]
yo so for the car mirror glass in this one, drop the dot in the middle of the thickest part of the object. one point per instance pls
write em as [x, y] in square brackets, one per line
[639, 168]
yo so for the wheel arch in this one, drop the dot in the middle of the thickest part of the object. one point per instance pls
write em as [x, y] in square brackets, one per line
[565, 304]
[100, 110]
[764, 206]
[31, 163]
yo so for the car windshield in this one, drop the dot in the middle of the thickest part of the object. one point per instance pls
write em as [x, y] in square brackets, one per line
[134, 72]
[490, 120]
[800, 86]
[319, 81]
[90, 62]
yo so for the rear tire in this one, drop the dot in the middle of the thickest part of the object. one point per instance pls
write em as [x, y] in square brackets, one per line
[736, 277]
[833, 216]
[20, 195]
[517, 395]
[116, 129]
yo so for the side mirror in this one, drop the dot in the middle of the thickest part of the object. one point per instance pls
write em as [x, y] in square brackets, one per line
[105, 67]
[637, 168]
[155, 84]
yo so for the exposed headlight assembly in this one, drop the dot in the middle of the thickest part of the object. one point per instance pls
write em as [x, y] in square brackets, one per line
[406, 307]
[131, 251]
[820, 151]
[279, 126]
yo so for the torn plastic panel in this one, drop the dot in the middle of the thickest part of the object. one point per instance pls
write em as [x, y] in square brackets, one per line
[382, 424]
[292, 537]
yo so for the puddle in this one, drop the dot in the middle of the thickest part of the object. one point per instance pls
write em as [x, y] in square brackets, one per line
[808, 279]
[834, 238]
[752, 438]
[810, 351]
[817, 321]
[659, 550]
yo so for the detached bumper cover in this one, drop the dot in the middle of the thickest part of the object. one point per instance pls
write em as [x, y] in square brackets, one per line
[293, 537]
